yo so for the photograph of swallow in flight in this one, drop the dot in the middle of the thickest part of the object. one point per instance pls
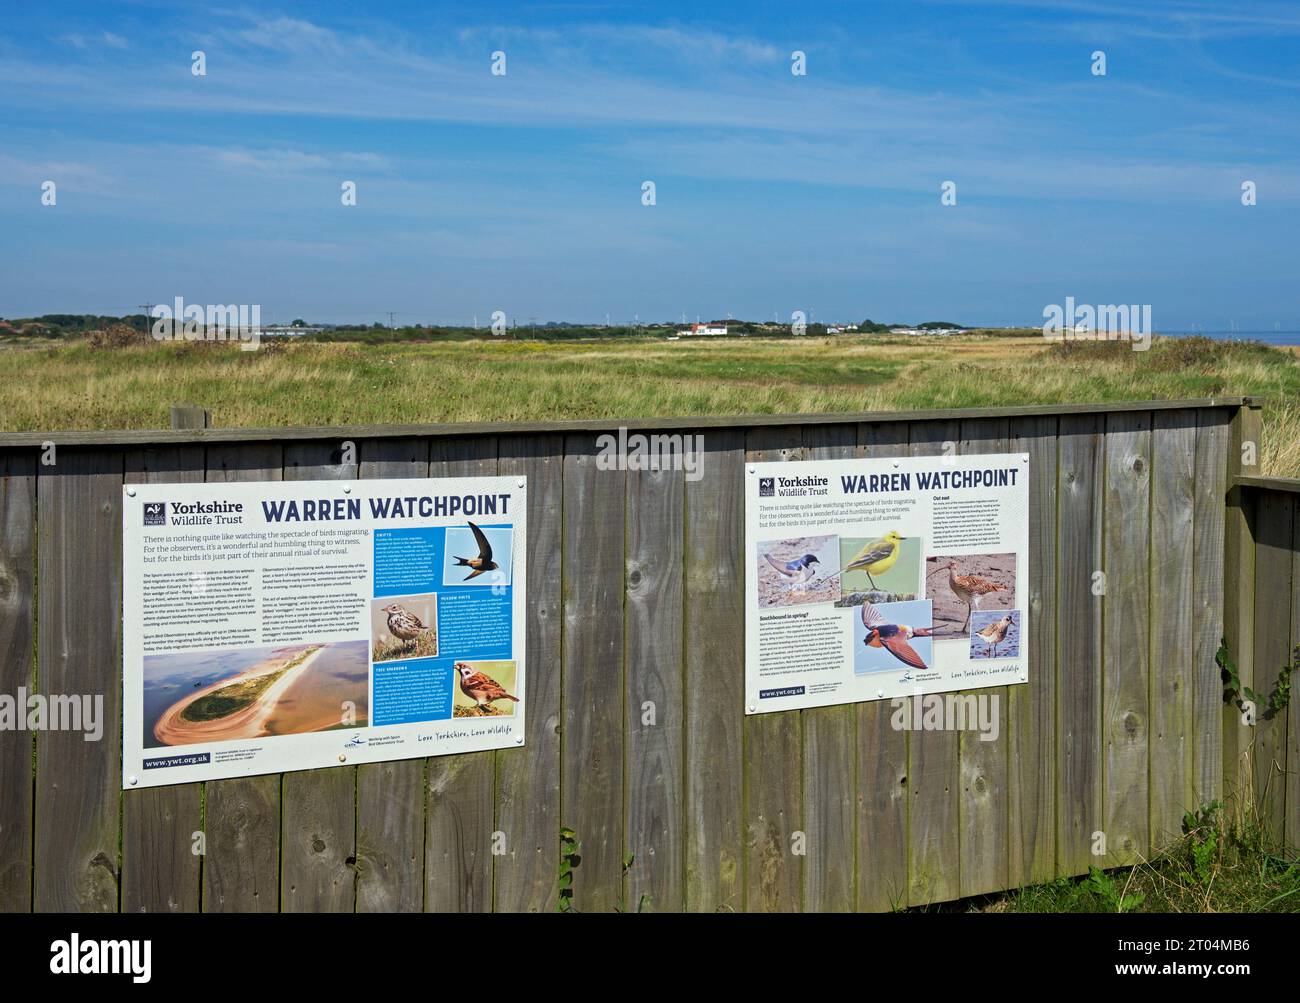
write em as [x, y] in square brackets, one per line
[892, 637]
[483, 562]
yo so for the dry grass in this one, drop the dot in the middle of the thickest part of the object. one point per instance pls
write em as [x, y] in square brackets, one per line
[69, 386]
[389, 649]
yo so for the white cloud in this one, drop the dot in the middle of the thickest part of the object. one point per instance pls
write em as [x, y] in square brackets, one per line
[289, 162]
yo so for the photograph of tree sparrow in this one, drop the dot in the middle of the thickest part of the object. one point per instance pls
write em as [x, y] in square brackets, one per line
[481, 685]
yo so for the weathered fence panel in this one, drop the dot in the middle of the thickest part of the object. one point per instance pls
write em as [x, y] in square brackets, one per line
[637, 735]
[17, 627]
[1271, 507]
[713, 634]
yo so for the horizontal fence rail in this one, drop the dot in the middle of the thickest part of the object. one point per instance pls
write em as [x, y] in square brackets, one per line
[635, 596]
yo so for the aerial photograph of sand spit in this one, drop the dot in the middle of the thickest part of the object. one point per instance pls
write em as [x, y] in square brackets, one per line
[256, 692]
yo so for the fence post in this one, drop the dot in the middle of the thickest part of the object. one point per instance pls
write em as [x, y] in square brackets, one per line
[190, 416]
[1239, 604]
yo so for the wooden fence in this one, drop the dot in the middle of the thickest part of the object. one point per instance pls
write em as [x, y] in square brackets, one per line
[1263, 608]
[635, 595]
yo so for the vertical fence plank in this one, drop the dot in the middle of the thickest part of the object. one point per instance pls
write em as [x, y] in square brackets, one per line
[528, 779]
[1208, 601]
[390, 796]
[1239, 604]
[655, 831]
[1078, 641]
[319, 832]
[933, 775]
[1171, 660]
[78, 783]
[592, 782]
[241, 870]
[318, 849]
[983, 803]
[829, 754]
[715, 636]
[1127, 635]
[1291, 791]
[773, 757]
[458, 842]
[161, 871]
[17, 620]
[1031, 780]
[1274, 554]
[882, 780]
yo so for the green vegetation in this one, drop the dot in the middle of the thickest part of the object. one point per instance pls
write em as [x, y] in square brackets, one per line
[72, 385]
[238, 695]
[1215, 866]
[570, 858]
[1271, 703]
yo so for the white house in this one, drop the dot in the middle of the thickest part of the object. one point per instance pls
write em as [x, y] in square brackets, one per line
[703, 329]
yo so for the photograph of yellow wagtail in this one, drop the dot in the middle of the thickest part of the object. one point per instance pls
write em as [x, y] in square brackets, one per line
[880, 568]
[273, 251]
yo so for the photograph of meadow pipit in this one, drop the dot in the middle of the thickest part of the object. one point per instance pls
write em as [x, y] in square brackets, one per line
[403, 627]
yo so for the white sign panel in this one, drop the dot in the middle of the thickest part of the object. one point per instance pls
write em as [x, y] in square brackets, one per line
[878, 579]
[278, 626]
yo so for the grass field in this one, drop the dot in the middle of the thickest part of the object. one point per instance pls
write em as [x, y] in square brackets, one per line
[74, 386]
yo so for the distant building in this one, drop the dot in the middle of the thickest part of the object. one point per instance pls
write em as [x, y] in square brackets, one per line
[700, 330]
[288, 331]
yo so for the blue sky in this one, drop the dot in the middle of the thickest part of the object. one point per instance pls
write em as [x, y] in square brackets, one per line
[774, 192]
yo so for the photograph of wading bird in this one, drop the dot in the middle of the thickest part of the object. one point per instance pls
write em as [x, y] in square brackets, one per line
[483, 562]
[892, 637]
[481, 688]
[994, 634]
[971, 589]
[877, 557]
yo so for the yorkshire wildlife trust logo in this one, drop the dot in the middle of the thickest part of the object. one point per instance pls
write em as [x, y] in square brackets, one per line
[1098, 323]
[155, 513]
[767, 487]
[213, 322]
